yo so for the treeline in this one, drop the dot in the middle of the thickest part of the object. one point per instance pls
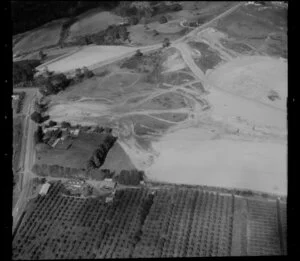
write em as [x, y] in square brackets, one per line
[130, 177]
[57, 171]
[113, 35]
[150, 64]
[23, 71]
[99, 155]
[43, 12]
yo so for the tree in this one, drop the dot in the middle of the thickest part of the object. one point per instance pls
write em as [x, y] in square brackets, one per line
[38, 135]
[65, 124]
[133, 20]
[36, 117]
[87, 73]
[52, 123]
[42, 55]
[166, 42]
[144, 9]
[138, 53]
[163, 19]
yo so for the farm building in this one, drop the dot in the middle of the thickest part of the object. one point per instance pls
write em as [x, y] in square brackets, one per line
[74, 132]
[108, 183]
[44, 189]
[15, 97]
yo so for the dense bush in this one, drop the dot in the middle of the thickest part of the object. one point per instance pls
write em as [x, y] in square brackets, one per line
[38, 135]
[23, 71]
[163, 20]
[100, 153]
[21, 96]
[130, 177]
[114, 34]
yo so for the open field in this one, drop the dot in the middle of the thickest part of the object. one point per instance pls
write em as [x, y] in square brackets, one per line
[259, 166]
[172, 222]
[170, 100]
[90, 55]
[254, 77]
[117, 160]
[209, 58]
[175, 117]
[177, 78]
[45, 36]
[92, 23]
[76, 156]
[253, 25]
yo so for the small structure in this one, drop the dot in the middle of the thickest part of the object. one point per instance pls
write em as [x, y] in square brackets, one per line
[44, 189]
[15, 97]
[55, 143]
[109, 199]
[108, 183]
[75, 132]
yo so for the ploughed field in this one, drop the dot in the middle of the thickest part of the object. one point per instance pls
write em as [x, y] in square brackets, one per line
[169, 221]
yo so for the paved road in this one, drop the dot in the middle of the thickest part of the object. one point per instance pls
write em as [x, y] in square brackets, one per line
[26, 162]
[150, 48]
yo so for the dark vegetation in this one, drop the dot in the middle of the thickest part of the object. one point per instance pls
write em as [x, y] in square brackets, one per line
[174, 221]
[55, 83]
[150, 65]
[38, 118]
[23, 71]
[113, 35]
[209, 57]
[99, 155]
[20, 101]
[130, 177]
[24, 11]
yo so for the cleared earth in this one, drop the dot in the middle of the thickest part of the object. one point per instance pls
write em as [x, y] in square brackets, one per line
[213, 111]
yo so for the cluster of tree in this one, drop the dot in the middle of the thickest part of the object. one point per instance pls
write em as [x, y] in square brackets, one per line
[114, 34]
[52, 83]
[130, 177]
[23, 11]
[100, 174]
[57, 171]
[38, 135]
[23, 71]
[21, 96]
[38, 118]
[143, 10]
[100, 153]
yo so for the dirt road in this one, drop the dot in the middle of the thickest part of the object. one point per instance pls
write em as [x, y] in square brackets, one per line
[26, 162]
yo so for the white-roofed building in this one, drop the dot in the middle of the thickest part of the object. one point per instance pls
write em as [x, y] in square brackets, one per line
[44, 189]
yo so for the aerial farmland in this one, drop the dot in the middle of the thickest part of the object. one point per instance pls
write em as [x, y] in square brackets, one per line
[150, 130]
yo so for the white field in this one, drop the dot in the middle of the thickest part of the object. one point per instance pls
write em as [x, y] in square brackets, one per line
[93, 24]
[254, 77]
[188, 159]
[88, 56]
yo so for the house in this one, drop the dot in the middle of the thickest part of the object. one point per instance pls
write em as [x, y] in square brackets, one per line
[75, 132]
[15, 97]
[44, 189]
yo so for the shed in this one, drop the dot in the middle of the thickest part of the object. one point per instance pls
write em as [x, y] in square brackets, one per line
[44, 189]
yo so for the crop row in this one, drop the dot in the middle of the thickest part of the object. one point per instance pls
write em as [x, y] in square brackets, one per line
[264, 238]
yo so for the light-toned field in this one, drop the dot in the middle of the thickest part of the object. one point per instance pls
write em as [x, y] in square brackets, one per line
[254, 77]
[185, 158]
[93, 23]
[45, 36]
[88, 56]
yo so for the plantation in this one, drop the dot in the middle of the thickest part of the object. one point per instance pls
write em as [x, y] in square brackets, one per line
[170, 221]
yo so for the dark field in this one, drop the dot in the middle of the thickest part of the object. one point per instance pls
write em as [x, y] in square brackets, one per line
[76, 155]
[209, 58]
[172, 222]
